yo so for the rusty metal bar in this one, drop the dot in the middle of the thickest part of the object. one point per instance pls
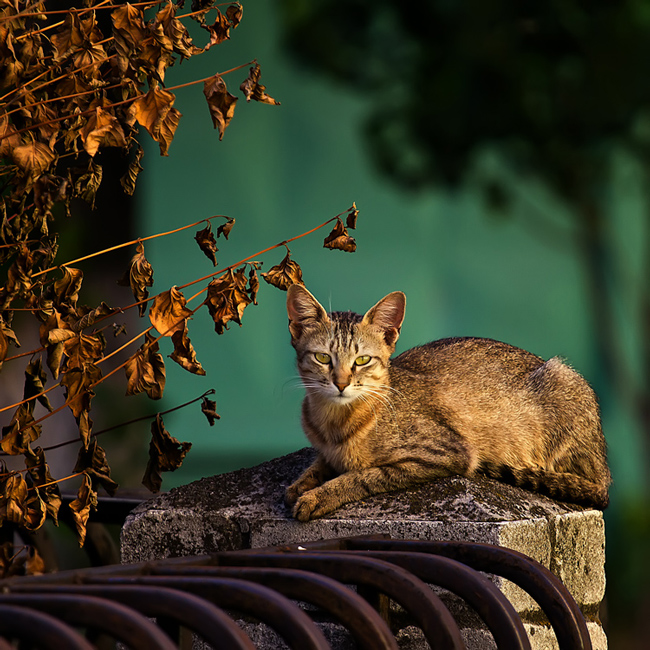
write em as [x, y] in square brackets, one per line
[205, 619]
[264, 604]
[543, 586]
[42, 630]
[428, 611]
[477, 591]
[114, 619]
[365, 625]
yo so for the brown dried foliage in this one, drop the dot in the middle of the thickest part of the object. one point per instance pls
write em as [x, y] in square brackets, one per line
[70, 88]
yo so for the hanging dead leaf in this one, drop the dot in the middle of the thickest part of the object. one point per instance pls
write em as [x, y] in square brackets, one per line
[92, 461]
[128, 24]
[86, 185]
[351, 219]
[234, 14]
[284, 274]
[227, 299]
[151, 109]
[128, 181]
[19, 508]
[90, 316]
[225, 228]
[219, 30]
[138, 276]
[209, 409]
[253, 89]
[166, 454]
[184, 354]
[253, 285]
[33, 159]
[34, 564]
[340, 239]
[102, 130]
[35, 379]
[83, 349]
[20, 432]
[82, 505]
[145, 370]
[7, 336]
[78, 384]
[39, 473]
[168, 313]
[66, 289]
[207, 243]
[220, 102]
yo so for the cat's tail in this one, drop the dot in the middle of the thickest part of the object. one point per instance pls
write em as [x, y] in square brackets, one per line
[557, 485]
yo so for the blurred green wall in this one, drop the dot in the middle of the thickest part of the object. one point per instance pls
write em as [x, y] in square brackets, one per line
[466, 270]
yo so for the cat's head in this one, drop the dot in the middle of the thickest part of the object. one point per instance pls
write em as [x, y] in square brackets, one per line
[343, 355]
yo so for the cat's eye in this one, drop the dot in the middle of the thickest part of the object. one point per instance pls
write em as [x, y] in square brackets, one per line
[362, 360]
[321, 357]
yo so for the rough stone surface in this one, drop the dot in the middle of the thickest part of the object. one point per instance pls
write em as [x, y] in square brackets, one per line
[245, 509]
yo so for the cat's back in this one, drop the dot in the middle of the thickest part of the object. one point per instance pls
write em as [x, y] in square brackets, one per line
[467, 356]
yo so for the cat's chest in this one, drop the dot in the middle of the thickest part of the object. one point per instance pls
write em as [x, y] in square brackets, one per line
[347, 456]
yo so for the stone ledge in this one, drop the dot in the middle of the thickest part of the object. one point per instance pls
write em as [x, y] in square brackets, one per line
[245, 509]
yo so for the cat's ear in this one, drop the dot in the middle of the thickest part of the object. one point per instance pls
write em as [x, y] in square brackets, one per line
[303, 310]
[388, 314]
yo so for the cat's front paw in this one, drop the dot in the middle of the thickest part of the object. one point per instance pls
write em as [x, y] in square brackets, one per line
[311, 505]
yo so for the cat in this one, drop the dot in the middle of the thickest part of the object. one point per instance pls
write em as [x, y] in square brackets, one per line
[457, 406]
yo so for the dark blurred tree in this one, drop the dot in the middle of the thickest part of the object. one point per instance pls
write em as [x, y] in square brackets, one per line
[554, 89]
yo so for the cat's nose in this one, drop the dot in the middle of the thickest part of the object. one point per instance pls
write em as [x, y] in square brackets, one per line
[341, 386]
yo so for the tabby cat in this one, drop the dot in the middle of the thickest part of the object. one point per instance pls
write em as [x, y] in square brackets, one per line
[458, 406]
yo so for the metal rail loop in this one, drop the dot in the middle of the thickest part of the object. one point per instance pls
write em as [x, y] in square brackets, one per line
[428, 611]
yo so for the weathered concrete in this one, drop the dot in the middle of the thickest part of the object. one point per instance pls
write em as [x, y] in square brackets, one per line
[246, 509]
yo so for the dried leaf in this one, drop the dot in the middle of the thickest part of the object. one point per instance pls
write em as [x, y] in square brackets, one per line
[253, 89]
[145, 370]
[79, 394]
[225, 228]
[209, 409]
[92, 461]
[90, 316]
[12, 498]
[128, 24]
[83, 349]
[102, 130]
[130, 178]
[33, 159]
[87, 185]
[220, 102]
[66, 289]
[284, 274]
[351, 219]
[253, 285]
[35, 379]
[39, 473]
[81, 506]
[166, 454]
[34, 564]
[20, 432]
[207, 243]
[138, 276]
[184, 354]
[227, 298]
[234, 14]
[19, 507]
[219, 30]
[151, 109]
[340, 239]
[7, 336]
[168, 313]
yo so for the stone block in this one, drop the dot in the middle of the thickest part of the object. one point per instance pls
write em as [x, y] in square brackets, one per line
[245, 509]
